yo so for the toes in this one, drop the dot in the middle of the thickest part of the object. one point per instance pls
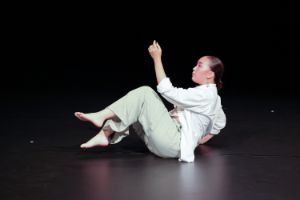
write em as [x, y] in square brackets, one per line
[78, 114]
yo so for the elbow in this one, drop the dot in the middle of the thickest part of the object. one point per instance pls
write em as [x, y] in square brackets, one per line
[206, 138]
[202, 141]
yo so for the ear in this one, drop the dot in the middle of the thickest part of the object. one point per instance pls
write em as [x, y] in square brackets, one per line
[210, 74]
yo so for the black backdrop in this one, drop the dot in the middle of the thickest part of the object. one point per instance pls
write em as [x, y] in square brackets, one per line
[76, 48]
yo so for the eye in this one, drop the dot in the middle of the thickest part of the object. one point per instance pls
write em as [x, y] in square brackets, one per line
[199, 64]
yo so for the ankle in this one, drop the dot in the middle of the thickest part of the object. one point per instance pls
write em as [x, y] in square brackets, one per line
[108, 133]
[106, 114]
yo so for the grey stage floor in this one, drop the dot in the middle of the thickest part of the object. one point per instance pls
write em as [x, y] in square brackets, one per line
[257, 155]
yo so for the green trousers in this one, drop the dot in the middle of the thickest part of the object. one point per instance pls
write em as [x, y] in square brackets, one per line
[143, 109]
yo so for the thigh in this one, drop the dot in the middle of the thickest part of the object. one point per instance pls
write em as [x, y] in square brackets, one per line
[163, 138]
[162, 133]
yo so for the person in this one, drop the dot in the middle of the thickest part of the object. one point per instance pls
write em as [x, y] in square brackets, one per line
[196, 118]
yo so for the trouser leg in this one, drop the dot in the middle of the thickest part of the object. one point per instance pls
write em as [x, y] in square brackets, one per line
[143, 106]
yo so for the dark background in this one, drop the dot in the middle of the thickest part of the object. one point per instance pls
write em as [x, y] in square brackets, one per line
[58, 58]
[54, 49]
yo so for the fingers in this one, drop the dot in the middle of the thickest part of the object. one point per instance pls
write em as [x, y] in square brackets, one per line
[155, 43]
[158, 46]
[154, 46]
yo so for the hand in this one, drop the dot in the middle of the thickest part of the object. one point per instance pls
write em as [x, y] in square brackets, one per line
[155, 50]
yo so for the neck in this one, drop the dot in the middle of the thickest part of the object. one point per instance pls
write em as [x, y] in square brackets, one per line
[210, 81]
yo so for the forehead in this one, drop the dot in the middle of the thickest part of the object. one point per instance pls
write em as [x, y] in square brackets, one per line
[203, 60]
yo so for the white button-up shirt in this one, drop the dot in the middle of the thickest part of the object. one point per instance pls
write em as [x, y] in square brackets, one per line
[199, 111]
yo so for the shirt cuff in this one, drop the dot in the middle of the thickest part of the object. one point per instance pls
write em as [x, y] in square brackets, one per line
[164, 85]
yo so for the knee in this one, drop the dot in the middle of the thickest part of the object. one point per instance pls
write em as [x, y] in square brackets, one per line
[143, 91]
[146, 89]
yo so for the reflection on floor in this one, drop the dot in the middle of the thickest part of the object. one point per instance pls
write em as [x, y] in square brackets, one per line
[257, 156]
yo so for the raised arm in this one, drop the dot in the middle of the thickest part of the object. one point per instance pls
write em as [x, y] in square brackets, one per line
[156, 52]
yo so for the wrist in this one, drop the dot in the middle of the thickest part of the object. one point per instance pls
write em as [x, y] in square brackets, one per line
[157, 59]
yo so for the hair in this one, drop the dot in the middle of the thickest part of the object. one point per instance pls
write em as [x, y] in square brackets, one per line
[217, 67]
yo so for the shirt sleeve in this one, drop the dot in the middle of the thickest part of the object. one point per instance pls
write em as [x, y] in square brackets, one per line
[219, 123]
[181, 97]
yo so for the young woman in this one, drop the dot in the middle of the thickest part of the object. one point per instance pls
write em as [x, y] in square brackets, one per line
[197, 115]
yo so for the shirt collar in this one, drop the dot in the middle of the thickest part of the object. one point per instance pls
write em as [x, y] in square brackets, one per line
[207, 85]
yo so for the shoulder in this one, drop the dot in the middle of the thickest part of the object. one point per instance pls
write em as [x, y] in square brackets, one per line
[208, 91]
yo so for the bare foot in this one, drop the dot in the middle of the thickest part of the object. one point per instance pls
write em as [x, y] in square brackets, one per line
[99, 140]
[95, 118]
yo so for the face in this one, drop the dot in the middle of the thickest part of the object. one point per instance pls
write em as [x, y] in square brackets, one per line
[202, 72]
